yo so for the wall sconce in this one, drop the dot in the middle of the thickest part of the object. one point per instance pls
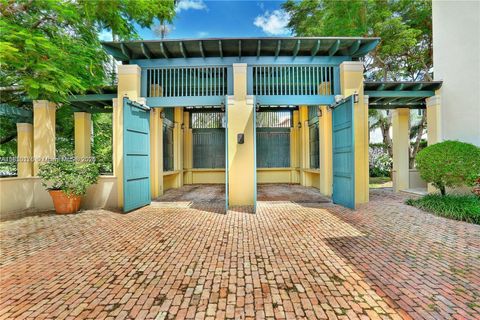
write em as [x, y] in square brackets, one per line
[162, 115]
[319, 112]
[355, 97]
[182, 126]
[299, 125]
[257, 108]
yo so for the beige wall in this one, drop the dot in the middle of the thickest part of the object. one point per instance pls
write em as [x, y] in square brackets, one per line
[456, 61]
[28, 193]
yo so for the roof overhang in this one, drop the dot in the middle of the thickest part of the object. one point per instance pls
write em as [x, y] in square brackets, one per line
[399, 94]
[240, 47]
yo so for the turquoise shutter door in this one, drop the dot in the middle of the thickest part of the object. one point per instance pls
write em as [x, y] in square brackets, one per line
[343, 143]
[136, 155]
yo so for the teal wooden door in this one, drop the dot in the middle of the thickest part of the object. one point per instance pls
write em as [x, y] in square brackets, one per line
[136, 155]
[225, 125]
[343, 143]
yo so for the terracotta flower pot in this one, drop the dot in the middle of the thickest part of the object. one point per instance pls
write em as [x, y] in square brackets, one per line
[65, 204]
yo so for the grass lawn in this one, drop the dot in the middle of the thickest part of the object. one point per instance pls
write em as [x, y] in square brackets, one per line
[457, 207]
[380, 182]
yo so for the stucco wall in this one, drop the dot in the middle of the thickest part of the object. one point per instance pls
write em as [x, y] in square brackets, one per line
[28, 193]
[456, 60]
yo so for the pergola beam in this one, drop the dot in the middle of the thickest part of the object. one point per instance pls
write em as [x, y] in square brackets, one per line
[334, 48]
[116, 53]
[182, 49]
[146, 52]
[125, 50]
[354, 48]
[316, 48]
[200, 46]
[163, 50]
[279, 46]
[366, 48]
[296, 49]
[220, 48]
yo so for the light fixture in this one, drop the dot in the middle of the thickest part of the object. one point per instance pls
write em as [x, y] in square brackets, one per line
[319, 112]
[183, 126]
[355, 97]
[299, 125]
[162, 115]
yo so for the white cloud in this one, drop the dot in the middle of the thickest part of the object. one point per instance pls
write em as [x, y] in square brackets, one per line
[273, 23]
[190, 5]
[202, 34]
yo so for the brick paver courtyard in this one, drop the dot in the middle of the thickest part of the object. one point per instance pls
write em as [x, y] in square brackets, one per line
[289, 260]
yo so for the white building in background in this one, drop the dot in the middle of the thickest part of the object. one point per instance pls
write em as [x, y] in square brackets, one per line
[456, 61]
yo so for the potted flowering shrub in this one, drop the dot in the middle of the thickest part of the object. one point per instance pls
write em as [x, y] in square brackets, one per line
[67, 182]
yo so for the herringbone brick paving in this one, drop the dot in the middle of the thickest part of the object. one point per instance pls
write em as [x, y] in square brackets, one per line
[289, 260]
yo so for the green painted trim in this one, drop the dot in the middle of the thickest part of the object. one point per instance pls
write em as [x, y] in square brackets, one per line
[93, 97]
[394, 94]
[9, 110]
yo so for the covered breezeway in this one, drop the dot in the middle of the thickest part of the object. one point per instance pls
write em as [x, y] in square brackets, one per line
[214, 195]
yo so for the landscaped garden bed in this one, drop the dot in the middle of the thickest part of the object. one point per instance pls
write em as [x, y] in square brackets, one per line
[450, 164]
[458, 207]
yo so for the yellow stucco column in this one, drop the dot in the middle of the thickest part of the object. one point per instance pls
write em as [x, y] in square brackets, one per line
[325, 137]
[434, 121]
[304, 146]
[401, 148]
[83, 137]
[156, 152]
[187, 150]
[24, 149]
[43, 132]
[351, 82]
[294, 149]
[241, 175]
[178, 146]
[128, 86]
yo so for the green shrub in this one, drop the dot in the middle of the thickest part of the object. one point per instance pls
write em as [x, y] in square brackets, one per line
[70, 177]
[449, 164]
[458, 207]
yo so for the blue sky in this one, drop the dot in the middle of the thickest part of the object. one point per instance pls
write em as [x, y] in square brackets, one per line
[210, 19]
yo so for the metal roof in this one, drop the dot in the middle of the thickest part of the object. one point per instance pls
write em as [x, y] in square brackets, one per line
[240, 47]
[399, 94]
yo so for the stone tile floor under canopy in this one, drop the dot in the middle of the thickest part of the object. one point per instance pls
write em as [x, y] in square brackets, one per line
[289, 260]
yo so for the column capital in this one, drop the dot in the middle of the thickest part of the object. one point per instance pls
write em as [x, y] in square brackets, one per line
[129, 69]
[80, 113]
[240, 67]
[24, 127]
[355, 66]
[435, 100]
[43, 104]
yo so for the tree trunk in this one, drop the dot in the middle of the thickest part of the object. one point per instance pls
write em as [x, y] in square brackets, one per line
[442, 190]
[8, 138]
[416, 145]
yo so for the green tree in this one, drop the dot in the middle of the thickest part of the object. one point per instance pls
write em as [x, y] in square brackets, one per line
[449, 164]
[405, 29]
[50, 49]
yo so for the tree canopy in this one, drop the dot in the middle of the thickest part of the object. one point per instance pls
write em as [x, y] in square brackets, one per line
[404, 26]
[50, 48]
